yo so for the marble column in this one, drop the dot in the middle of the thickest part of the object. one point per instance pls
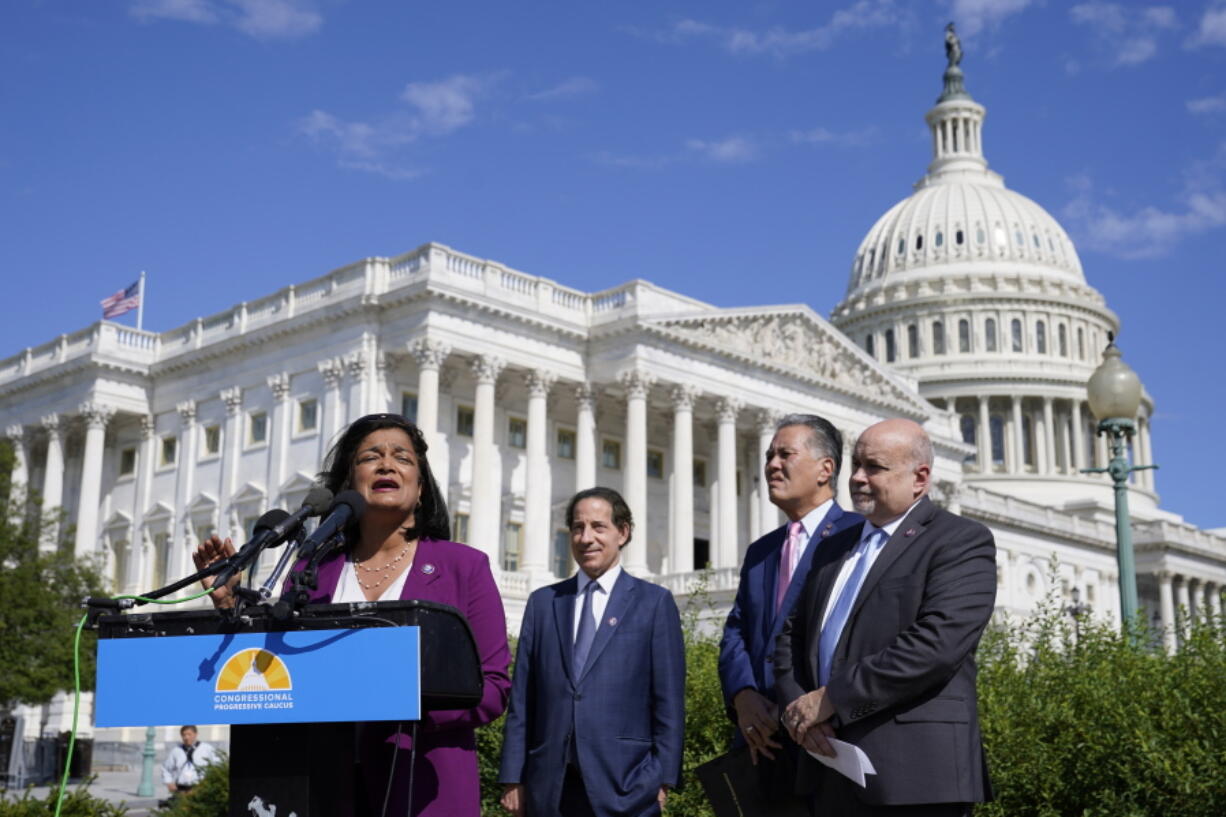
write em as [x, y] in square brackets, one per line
[53, 482]
[681, 546]
[356, 369]
[1101, 455]
[726, 410]
[429, 356]
[140, 565]
[278, 449]
[1019, 438]
[1079, 442]
[96, 417]
[1049, 437]
[585, 437]
[485, 519]
[1184, 599]
[20, 474]
[231, 452]
[637, 385]
[538, 489]
[183, 540]
[984, 437]
[1166, 609]
[1215, 599]
[331, 372]
[1145, 452]
[768, 514]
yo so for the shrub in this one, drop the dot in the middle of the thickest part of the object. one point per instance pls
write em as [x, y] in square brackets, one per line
[78, 802]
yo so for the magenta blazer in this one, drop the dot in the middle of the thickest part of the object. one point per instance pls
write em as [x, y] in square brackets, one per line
[445, 782]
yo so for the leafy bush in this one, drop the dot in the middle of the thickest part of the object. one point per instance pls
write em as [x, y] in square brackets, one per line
[209, 798]
[78, 802]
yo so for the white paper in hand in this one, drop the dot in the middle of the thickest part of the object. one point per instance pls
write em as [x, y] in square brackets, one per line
[849, 760]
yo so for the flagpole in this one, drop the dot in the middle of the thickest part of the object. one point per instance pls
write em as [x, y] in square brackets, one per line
[140, 308]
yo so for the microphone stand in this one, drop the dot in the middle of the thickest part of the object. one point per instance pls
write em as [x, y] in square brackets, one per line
[301, 582]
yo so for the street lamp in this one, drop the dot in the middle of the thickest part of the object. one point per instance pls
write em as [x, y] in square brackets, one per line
[145, 789]
[1114, 392]
[1077, 610]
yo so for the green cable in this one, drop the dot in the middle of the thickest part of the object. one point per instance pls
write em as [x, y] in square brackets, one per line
[76, 679]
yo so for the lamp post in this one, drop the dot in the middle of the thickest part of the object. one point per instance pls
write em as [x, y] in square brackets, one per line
[1077, 610]
[145, 789]
[1114, 393]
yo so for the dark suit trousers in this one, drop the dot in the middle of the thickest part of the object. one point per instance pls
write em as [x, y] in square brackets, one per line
[575, 802]
[839, 796]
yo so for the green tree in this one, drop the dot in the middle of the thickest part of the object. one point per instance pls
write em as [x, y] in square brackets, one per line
[40, 597]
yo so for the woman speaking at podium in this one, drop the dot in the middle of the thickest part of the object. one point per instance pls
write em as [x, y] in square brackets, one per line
[399, 549]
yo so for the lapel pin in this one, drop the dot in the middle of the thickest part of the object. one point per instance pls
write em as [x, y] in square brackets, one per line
[910, 532]
[427, 568]
[826, 530]
[613, 621]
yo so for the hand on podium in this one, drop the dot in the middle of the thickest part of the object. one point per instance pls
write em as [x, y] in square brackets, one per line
[211, 551]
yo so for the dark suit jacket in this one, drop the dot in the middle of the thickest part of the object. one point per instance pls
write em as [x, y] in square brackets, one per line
[747, 649]
[626, 711]
[903, 675]
[445, 782]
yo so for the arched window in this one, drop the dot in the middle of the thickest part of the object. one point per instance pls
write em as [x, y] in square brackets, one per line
[989, 334]
[912, 341]
[868, 345]
[1081, 343]
[964, 336]
[938, 338]
[1015, 328]
[891, 350]
[958, 238]
[939, 239]
[968, 429]
[902, 246]
[996, 426]
[1040, 337]
[919, 241]
[1062, 339]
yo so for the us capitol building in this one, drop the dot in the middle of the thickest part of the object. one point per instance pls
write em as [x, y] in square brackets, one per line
[966, 310]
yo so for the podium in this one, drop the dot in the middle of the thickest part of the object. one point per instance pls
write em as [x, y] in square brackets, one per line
[297, 691]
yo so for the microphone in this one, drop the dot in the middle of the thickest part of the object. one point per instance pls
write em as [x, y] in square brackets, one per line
[347, 507]
[272, 529]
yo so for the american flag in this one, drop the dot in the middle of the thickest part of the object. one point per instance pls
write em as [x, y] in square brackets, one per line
[125, 300]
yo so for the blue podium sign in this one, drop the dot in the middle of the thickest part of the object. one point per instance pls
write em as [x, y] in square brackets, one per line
[301, 676]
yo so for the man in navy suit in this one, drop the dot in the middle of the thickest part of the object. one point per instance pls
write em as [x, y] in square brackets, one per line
[597, 712]
[801, 471]
[880, 649]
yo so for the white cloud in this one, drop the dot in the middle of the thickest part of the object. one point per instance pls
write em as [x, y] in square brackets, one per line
[733, 149]
[1150, 231]
[823, 136]
[574, 86]
[376, 146]
[1212, 28]
[780, 42]
[191, 11]
[973, 16]
[1128, 36]
[1208, 104]
[262, 19]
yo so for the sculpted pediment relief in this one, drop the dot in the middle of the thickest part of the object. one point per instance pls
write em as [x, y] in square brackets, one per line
[795, 342]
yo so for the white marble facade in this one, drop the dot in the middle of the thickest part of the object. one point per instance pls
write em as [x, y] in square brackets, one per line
[967, 310]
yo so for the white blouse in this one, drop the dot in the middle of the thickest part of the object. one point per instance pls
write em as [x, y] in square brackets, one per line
[348, 589]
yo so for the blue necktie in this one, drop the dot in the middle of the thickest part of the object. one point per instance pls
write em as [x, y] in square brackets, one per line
[842, 609]
[587, 630]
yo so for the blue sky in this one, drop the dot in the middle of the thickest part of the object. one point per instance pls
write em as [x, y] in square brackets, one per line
[230, 147]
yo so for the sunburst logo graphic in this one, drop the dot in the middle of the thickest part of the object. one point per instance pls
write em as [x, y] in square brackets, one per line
[253, 670]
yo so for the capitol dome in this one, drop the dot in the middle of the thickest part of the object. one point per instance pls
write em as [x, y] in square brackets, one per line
[977, 293]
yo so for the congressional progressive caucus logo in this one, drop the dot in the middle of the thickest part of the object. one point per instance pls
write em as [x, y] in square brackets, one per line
[253, 678]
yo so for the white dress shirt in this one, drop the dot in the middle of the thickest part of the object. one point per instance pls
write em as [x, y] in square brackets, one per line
[868, 548]
[600, 596]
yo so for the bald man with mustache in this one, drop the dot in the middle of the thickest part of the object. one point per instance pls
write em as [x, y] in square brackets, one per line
[880, 649]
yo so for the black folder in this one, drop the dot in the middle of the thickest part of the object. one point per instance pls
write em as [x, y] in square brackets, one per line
[737, 788]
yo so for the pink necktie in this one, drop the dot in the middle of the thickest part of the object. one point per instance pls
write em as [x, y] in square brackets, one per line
[795, 531]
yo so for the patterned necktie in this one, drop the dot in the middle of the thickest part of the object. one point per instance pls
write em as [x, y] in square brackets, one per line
[587, 630]
[787, 558]
[842, 608]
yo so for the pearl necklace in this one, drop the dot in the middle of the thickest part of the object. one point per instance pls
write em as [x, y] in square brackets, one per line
[383, 570]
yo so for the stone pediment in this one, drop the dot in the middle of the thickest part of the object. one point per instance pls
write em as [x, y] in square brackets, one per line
[794, 340]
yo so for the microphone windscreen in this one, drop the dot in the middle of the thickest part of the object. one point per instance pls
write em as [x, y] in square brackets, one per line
[270, 519]
[353, 499]
[318, 499]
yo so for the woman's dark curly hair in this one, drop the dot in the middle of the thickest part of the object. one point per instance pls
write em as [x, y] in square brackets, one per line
[430, 520]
